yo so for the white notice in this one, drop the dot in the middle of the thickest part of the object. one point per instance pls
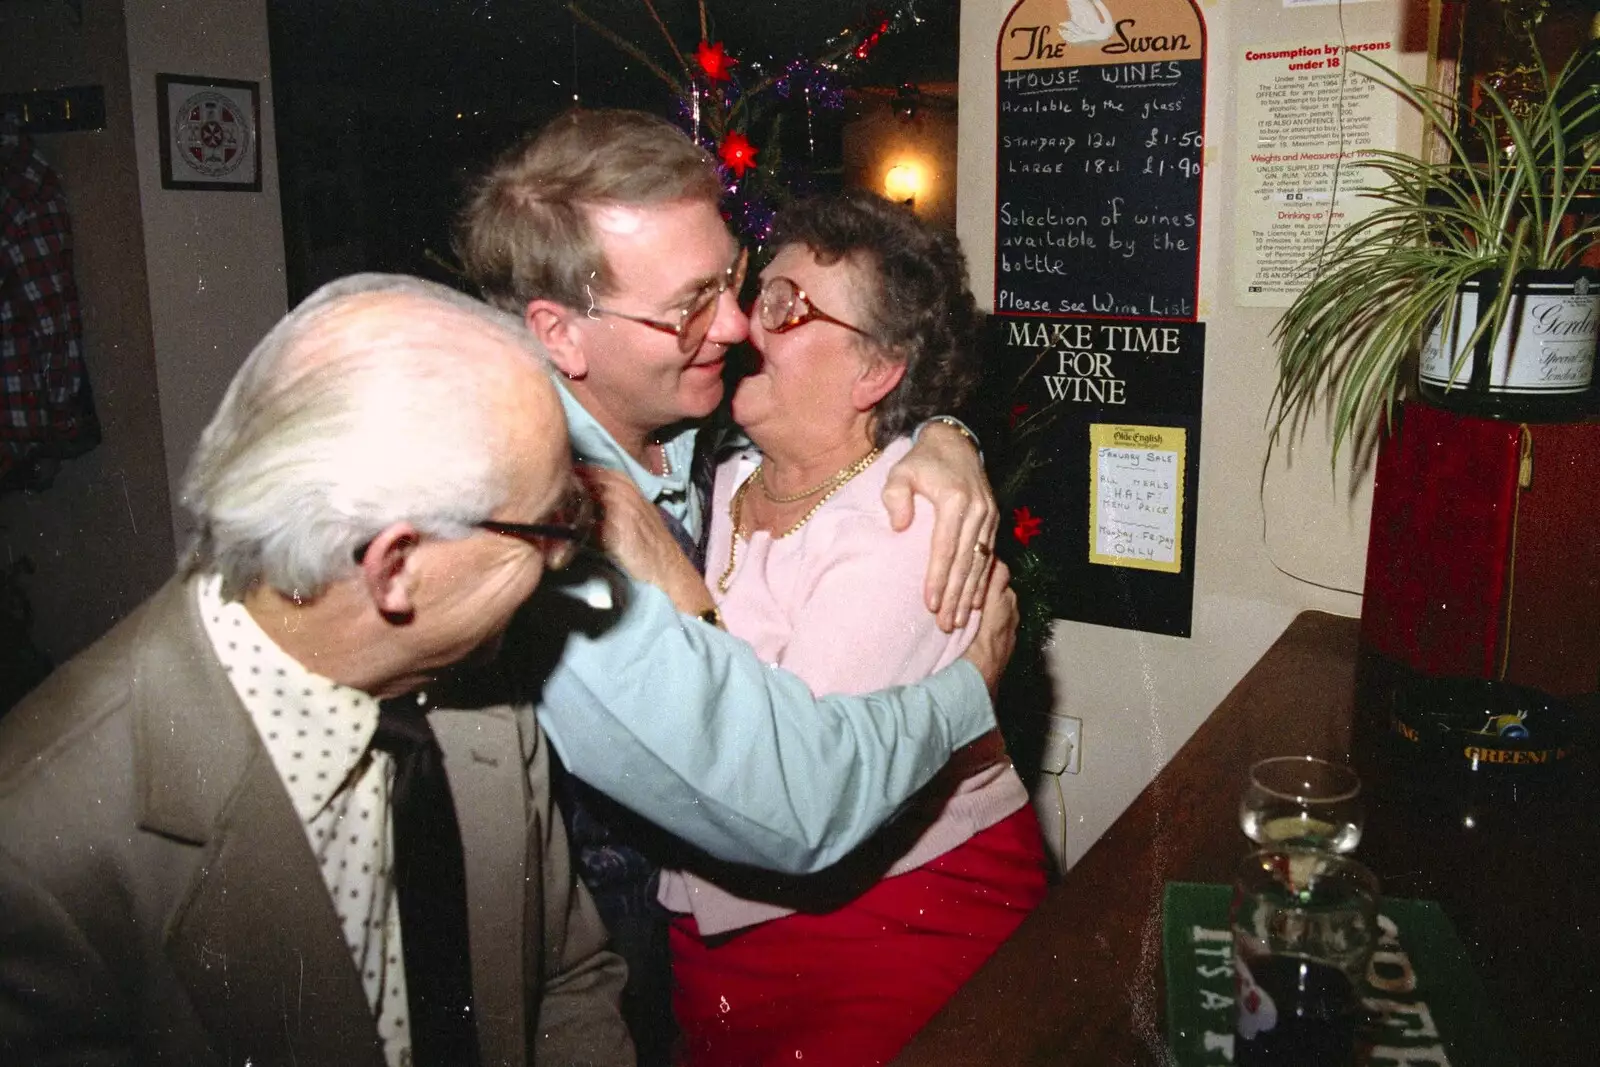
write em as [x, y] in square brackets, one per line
[1308, 117]
[1137, 510]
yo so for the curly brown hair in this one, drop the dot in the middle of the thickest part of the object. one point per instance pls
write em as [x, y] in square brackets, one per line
[919, 308]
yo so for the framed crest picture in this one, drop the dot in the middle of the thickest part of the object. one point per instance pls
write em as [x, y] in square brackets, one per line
[210, 133]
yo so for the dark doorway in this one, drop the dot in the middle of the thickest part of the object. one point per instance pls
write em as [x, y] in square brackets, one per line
[385, 110]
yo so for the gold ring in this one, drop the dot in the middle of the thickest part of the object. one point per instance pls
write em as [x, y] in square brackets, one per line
[981, 549]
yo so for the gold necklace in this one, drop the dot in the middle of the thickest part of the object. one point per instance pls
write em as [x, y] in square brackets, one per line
[760, 478]
[736, 509]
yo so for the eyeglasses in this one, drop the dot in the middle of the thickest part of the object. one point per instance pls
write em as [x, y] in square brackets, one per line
[559, 539]
[699, 312]
[782, 305]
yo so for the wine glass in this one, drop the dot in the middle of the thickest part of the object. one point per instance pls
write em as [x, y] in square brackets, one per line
[1304, 801]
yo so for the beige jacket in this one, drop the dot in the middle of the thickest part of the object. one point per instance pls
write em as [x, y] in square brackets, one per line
[159, 902]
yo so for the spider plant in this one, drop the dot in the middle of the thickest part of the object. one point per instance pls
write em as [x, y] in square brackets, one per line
[1348, 342]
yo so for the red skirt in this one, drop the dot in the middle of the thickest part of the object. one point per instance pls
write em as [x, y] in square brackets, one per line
[850, 987]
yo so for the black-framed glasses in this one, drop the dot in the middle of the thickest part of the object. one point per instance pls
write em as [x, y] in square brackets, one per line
[561, 536]
[782, 305]
[558, 538]
[699, 311]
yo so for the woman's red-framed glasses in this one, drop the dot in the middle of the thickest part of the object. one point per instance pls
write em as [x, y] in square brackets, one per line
[782, 305]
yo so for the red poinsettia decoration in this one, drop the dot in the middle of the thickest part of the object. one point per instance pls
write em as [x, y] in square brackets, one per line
[714, 61]
[737, 153]
[1027, 527]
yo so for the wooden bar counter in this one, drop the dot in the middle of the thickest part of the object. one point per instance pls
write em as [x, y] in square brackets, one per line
[1081, 980]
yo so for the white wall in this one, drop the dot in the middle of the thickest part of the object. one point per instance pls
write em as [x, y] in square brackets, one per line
[176, 288]
[1261, 557]
[214, 259]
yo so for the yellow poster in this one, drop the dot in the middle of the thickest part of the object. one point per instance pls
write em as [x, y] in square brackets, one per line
[1136, 496]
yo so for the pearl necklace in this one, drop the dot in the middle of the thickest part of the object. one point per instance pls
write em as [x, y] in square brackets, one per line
[736, 507]
[666, 464]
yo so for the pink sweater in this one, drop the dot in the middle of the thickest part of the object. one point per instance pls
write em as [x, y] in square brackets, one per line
[839, 603]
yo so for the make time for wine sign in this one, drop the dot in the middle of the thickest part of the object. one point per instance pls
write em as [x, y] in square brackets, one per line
[1114, 505]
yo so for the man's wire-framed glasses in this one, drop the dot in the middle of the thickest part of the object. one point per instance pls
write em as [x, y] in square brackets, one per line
[698, 312]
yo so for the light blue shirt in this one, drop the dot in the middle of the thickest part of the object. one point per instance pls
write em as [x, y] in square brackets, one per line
[593, 444]
[684, 724]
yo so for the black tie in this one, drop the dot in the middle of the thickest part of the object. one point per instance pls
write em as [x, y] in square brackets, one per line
[715, 443]
[711, 447]
[694, 550]
[430, 877]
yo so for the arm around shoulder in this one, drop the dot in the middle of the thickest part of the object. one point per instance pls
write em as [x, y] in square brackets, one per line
[945, 466]
[685, 725]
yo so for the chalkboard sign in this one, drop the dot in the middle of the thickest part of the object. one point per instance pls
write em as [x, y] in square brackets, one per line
[1101, 108]
[1113, 510]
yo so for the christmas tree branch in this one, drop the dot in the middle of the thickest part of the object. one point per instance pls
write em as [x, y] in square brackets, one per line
[831, 56]
[662, 26]
[738, 105]
[627, 46]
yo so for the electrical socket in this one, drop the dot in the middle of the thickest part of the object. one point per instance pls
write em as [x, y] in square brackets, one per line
[1062, 744]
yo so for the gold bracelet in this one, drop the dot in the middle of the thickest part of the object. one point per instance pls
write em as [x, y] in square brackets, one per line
[959, 427]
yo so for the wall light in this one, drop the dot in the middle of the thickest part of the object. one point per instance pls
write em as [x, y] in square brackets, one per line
[903, 183]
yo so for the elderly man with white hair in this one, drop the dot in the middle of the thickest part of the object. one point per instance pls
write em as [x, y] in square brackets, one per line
[206, 818]
[225, 833]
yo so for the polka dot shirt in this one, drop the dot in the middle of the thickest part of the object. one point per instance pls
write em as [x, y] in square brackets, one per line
[316, 732]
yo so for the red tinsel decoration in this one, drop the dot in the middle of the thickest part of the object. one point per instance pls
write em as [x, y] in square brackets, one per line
[714, 61]
[871, 40]
[737, 153]
[1027, 527]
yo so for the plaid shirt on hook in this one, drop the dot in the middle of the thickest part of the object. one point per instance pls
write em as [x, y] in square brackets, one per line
[45, 406]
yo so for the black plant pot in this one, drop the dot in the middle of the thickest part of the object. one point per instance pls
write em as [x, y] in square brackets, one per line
[1470, 745]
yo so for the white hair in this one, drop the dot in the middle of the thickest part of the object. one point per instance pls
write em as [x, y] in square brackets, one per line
[340, 424]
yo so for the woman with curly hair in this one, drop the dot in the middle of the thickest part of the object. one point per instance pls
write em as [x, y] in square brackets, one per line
[864, 327]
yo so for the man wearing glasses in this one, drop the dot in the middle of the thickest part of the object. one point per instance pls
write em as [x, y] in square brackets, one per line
[603, 233]
[225, 837]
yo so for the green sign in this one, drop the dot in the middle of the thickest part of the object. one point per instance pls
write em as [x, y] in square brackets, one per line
[1425, 1004]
